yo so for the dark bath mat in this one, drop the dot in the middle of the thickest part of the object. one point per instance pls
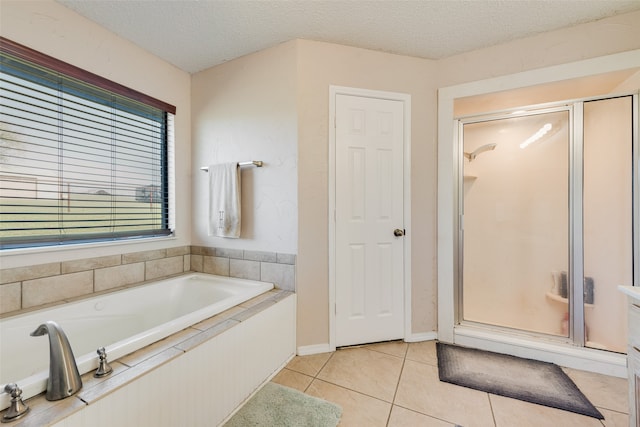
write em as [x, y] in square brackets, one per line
[524, 379]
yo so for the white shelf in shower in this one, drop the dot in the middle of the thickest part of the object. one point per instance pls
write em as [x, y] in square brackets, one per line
[562, 300]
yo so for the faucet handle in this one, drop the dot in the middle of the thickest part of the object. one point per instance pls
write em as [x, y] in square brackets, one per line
[103, 368]
[17, 408]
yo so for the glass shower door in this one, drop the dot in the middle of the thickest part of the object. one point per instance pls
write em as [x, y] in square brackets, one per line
[515, 224]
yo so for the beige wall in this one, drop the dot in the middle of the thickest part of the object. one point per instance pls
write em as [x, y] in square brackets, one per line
[55, 30]
[324, 64]
[611, 35]
[246, 110]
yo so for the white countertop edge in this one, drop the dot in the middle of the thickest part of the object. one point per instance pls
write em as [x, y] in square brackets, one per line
[632, 291]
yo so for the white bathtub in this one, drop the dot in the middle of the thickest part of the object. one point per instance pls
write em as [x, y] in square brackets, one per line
[122, 322]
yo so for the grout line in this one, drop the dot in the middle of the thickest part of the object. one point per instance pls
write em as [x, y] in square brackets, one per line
[315, 376]
[308, 385]
[404, 360]
[350, 389]
[612, 410]
[325, 363]
[427, 415]
[355, 391]
[493, 415]
[395, 393]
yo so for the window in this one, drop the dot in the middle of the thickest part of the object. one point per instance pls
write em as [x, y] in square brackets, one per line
[82, 159]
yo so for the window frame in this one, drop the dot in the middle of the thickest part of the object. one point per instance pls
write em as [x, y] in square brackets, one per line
[39, 59]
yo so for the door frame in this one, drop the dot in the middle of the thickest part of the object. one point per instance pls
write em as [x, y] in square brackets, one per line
[406, 100]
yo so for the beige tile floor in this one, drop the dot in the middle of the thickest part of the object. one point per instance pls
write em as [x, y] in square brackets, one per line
[396, 384]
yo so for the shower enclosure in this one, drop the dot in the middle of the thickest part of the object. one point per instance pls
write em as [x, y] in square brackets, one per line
[546, 220]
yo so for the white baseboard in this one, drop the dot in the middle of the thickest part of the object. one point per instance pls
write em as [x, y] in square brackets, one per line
[422, 336]
[306, 350]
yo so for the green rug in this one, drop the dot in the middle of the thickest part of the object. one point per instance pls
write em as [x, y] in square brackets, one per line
[276, 405]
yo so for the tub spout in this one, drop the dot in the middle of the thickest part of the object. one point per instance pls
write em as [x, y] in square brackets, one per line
[64, 379]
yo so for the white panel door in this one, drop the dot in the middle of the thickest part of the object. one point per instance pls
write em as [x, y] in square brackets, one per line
[369, 261]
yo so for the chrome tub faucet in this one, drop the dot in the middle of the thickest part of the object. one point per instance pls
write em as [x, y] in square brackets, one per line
[17, 409]
[64, 379]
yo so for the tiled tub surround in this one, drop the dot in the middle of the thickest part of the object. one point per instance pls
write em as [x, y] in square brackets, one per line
[255, 265]
[197, 376]
[33, 286]
[26, 288]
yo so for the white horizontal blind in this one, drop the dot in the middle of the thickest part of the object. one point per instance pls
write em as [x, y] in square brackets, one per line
[78, 163]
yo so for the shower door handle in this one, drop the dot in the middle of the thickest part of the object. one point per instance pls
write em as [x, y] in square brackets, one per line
[398, 232]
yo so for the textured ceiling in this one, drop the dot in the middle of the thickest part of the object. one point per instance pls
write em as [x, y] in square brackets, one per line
[195, 35]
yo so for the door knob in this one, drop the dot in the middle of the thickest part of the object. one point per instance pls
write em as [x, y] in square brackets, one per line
[398, 232]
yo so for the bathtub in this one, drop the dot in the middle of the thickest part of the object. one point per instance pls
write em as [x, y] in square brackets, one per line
[121, 321]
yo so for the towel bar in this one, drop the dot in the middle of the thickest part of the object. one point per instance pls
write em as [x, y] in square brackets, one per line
[256, 163]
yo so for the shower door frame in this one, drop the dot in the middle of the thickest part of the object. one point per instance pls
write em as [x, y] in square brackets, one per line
[575, 269]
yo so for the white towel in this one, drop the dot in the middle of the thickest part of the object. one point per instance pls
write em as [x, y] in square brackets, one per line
[224, 200]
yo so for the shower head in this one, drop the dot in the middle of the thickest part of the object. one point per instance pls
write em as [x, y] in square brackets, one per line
[471, 156]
